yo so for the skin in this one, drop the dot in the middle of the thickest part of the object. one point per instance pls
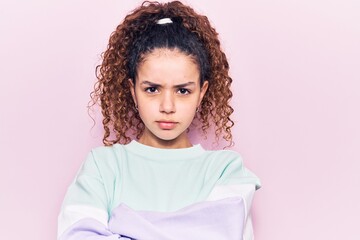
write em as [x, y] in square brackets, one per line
[167, 93]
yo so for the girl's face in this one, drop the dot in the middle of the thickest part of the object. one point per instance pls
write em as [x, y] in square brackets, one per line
[167, 93]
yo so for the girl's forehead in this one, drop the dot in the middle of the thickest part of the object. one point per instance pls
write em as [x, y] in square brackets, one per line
[165, 56]
[170, 65]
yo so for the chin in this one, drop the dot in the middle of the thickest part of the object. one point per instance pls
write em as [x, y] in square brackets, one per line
[169, 137]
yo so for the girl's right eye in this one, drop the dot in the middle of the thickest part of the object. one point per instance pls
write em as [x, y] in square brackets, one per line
[151, 90]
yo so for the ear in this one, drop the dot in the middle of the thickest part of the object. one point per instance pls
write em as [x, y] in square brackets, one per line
[132, 90]
[203, 90]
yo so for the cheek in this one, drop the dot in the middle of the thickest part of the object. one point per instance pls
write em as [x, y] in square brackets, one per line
[187, 109]
[147, 108]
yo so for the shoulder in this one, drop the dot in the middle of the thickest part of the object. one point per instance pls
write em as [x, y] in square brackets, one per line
[105, 152]
[224, 157]
[104, 157]
[232, 167]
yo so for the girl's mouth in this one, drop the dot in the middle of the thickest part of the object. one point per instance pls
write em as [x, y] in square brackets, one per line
[167, 125]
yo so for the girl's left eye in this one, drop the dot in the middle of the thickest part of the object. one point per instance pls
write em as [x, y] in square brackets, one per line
[183, 91]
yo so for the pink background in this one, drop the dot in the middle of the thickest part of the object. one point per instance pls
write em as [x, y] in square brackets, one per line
[296, 71]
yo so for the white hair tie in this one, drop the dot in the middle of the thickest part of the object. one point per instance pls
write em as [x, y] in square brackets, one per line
[164, 21]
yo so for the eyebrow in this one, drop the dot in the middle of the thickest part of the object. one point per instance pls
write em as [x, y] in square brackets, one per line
[150, 83]
[158, 85]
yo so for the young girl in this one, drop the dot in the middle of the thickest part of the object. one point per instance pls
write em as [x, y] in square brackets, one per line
[162, 71]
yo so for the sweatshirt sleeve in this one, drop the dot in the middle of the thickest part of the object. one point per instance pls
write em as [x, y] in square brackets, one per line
[84, 214]
[235, 172]
[236, 180]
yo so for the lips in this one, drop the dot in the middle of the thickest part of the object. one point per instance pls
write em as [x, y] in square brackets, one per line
[167, 125]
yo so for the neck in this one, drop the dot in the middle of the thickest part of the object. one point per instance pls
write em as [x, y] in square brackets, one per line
[181, 141]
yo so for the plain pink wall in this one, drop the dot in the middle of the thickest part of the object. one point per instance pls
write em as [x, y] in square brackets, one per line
[296, 71]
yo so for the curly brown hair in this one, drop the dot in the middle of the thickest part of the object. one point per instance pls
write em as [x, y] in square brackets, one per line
[112, 90]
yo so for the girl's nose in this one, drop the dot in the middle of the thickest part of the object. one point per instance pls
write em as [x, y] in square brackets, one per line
[167, 104]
